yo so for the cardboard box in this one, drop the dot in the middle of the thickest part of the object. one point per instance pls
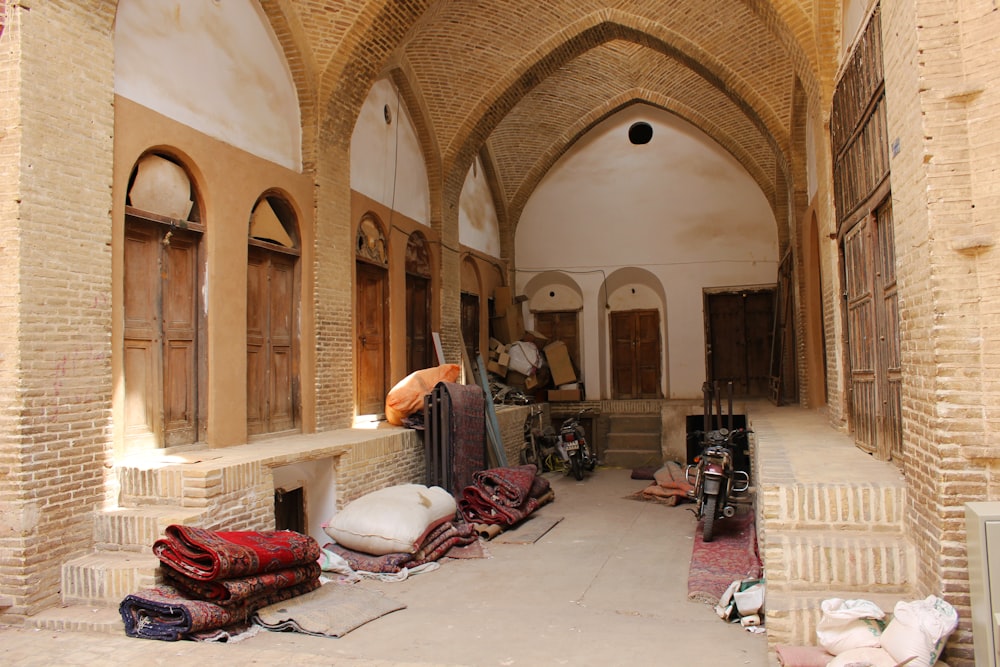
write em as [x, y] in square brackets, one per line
[556, 395]
[560, 365]
[535, 337]
[531, 382]
[496, 369]
[515, 379]
[510, 327]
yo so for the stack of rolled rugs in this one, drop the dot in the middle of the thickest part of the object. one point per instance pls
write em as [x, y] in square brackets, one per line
[500, 498]
[215, 581]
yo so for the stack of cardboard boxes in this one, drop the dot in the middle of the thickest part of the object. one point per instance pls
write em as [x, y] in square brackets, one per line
[526, 359]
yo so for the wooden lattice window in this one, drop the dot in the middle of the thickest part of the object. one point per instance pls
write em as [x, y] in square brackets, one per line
[857, 124]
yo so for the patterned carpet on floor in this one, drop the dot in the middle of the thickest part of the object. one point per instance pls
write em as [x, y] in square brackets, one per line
[731, 555]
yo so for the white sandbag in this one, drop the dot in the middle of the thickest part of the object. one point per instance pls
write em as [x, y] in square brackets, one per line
[919, 629]
[391, 520]
[849, 624]
[869, 656]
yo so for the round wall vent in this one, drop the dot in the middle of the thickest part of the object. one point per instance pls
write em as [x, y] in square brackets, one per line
[640, 133]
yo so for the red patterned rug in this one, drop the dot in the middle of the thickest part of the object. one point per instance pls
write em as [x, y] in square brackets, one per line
[208, 555]
[731, 555]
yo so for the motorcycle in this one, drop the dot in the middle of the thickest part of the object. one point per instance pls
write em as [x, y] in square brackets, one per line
[539, 442]
[573, 446]
[716, 484]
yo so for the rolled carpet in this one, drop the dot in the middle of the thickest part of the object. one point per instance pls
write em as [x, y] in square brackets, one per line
[510, 486]
[208, 555]
[164, 613]
[228, 592]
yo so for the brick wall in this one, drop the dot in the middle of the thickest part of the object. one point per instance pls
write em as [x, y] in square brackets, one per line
[56, 315]
[943, 116]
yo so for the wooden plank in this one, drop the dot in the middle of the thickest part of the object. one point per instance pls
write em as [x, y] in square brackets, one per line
[492, 426]
[437, 347]
[529, 531]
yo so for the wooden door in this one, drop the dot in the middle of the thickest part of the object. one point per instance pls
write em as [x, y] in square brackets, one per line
[873, 334]
[161, 350]
[372, 338]
[635, 354]
[561, 325]
[419, 347]
[271, 367]
[470, 325]
[738, 335]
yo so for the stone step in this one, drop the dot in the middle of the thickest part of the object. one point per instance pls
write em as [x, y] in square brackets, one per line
[135, 529]
[866, 563]
[626, 458]
[103, 578]
[634, 424]
[850, 506]
[791, 619]
[649, 442]
[78, 618]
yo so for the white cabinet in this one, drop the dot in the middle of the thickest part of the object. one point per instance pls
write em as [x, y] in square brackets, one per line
[982, 525]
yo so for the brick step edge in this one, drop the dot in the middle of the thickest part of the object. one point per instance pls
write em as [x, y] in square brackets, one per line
[78, 618]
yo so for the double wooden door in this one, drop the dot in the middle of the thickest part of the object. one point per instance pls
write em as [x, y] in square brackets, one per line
[161, 360]
[272, 369]
[561, 325]
[738, 335]
[635, 354]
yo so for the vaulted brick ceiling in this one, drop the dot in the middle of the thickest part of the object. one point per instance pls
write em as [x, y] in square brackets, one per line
[520, 80]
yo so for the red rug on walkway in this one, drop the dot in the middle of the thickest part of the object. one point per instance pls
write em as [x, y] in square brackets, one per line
[731, 555]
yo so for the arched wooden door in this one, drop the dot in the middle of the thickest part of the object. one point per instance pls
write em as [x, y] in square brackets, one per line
[163, 351]
[371, 316]
[419, 347]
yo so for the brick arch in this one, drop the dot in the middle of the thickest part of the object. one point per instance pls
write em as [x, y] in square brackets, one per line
[577, 39]
[797, 33]
[416, 107]
[365, 50]
[299, 58]
[614, 105]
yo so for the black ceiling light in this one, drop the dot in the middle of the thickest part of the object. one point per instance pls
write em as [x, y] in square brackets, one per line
[640, 133]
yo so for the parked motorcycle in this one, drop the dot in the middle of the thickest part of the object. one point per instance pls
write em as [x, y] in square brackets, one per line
[717, 485]
[573, 446]
[540, 441]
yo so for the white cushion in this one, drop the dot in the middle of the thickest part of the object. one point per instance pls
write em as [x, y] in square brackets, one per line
[391, 520]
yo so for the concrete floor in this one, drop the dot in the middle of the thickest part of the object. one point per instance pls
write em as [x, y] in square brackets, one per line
[606, 586]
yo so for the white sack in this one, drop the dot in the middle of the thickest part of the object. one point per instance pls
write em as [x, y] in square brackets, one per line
[919, 629]
[391, 520]
[849, 624]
